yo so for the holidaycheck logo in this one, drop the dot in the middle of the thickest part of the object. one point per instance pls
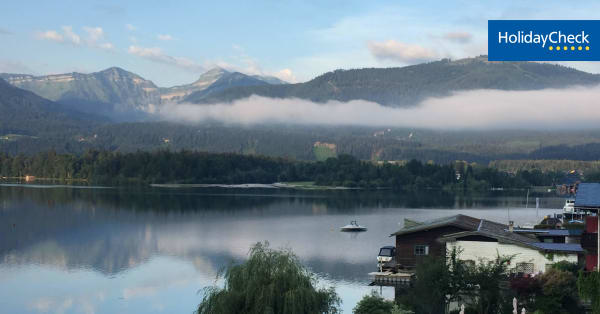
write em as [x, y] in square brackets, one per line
[543, 40]
[552, 38]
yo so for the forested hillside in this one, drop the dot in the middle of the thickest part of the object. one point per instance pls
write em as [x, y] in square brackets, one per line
[101, 167]
[409, 85]
[25, 113]
[302, 143]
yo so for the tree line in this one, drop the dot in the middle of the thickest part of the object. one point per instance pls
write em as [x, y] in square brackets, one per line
[187, 167]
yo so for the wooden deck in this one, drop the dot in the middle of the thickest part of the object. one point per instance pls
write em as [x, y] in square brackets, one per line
[387, 278]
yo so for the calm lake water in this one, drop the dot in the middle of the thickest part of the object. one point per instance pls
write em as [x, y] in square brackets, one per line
[98, 250]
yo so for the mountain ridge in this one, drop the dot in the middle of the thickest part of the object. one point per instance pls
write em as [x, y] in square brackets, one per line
[407, 86]
[110, 92]
[122, 95]
[25, 113]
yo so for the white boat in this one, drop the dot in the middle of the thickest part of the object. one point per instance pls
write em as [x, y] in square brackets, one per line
[569, 207]
[353, 227]
[528, 226]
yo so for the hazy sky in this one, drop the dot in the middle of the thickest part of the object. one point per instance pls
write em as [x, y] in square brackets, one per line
[173, 42]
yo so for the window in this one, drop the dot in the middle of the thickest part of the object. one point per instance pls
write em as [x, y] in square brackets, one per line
[385, 252]
[421, 249]
[524, 268]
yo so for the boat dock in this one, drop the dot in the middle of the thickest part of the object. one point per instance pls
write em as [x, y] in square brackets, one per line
[387, 278]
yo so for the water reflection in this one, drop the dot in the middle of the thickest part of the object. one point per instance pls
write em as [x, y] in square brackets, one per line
[150, 250]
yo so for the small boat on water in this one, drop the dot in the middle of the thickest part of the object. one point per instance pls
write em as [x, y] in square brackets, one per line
[353, 227]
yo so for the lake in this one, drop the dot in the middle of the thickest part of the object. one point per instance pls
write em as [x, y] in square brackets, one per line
[152, 250]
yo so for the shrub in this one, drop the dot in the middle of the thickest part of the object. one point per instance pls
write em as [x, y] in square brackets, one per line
[373, 304]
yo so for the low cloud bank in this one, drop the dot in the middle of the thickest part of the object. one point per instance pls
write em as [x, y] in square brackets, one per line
[572, 108]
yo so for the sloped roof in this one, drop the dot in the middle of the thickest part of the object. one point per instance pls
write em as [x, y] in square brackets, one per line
[460, 221]
[502, 235]
[588, 196]
[493, 230]
[562, 247]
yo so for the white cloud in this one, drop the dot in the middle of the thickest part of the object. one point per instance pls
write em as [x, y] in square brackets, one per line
[479, 109]
[242, 62]
[458, 37]
[51, 35]
[286, 75]
[130, 27]
[94, 38]
[156, 54]
[399, 51]
[107, 46]
[94, 33]
[70, 36]
[164, 37]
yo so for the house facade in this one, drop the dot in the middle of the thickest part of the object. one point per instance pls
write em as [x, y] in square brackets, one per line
[528, 256]
[589, 242]
[479, 240]
[417, 240]
[587, 200]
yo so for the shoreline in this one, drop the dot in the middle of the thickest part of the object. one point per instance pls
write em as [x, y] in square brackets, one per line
[276, 185]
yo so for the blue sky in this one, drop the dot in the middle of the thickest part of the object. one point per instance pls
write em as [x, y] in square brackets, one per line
[172, 43]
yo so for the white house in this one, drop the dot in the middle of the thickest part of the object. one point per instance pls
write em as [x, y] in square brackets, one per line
[529, 255]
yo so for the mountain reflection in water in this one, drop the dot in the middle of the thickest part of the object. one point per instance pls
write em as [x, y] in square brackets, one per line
[151, 250]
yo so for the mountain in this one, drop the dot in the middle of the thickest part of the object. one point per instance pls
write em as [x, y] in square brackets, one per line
[178, 93]
[409, 85]
[212, 81]
[24, 113]
[225, 82]
[270, 79]
[114, 92]
[122, 95]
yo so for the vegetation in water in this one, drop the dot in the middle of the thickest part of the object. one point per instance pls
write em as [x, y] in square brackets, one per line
[270, 281]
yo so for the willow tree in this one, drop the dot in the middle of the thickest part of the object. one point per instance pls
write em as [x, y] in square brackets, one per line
[270, 281]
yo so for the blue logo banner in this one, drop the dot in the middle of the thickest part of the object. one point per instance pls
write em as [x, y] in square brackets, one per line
[544, 40]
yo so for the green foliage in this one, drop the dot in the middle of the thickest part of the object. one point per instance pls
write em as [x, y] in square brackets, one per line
[113, 168]
[399, 309]
[443, 281]
[270, 281]
[488, 277]
[588, 285]
[373, 304]
[573, 268]
[439, 281]
[558, 293]
[323, 152]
